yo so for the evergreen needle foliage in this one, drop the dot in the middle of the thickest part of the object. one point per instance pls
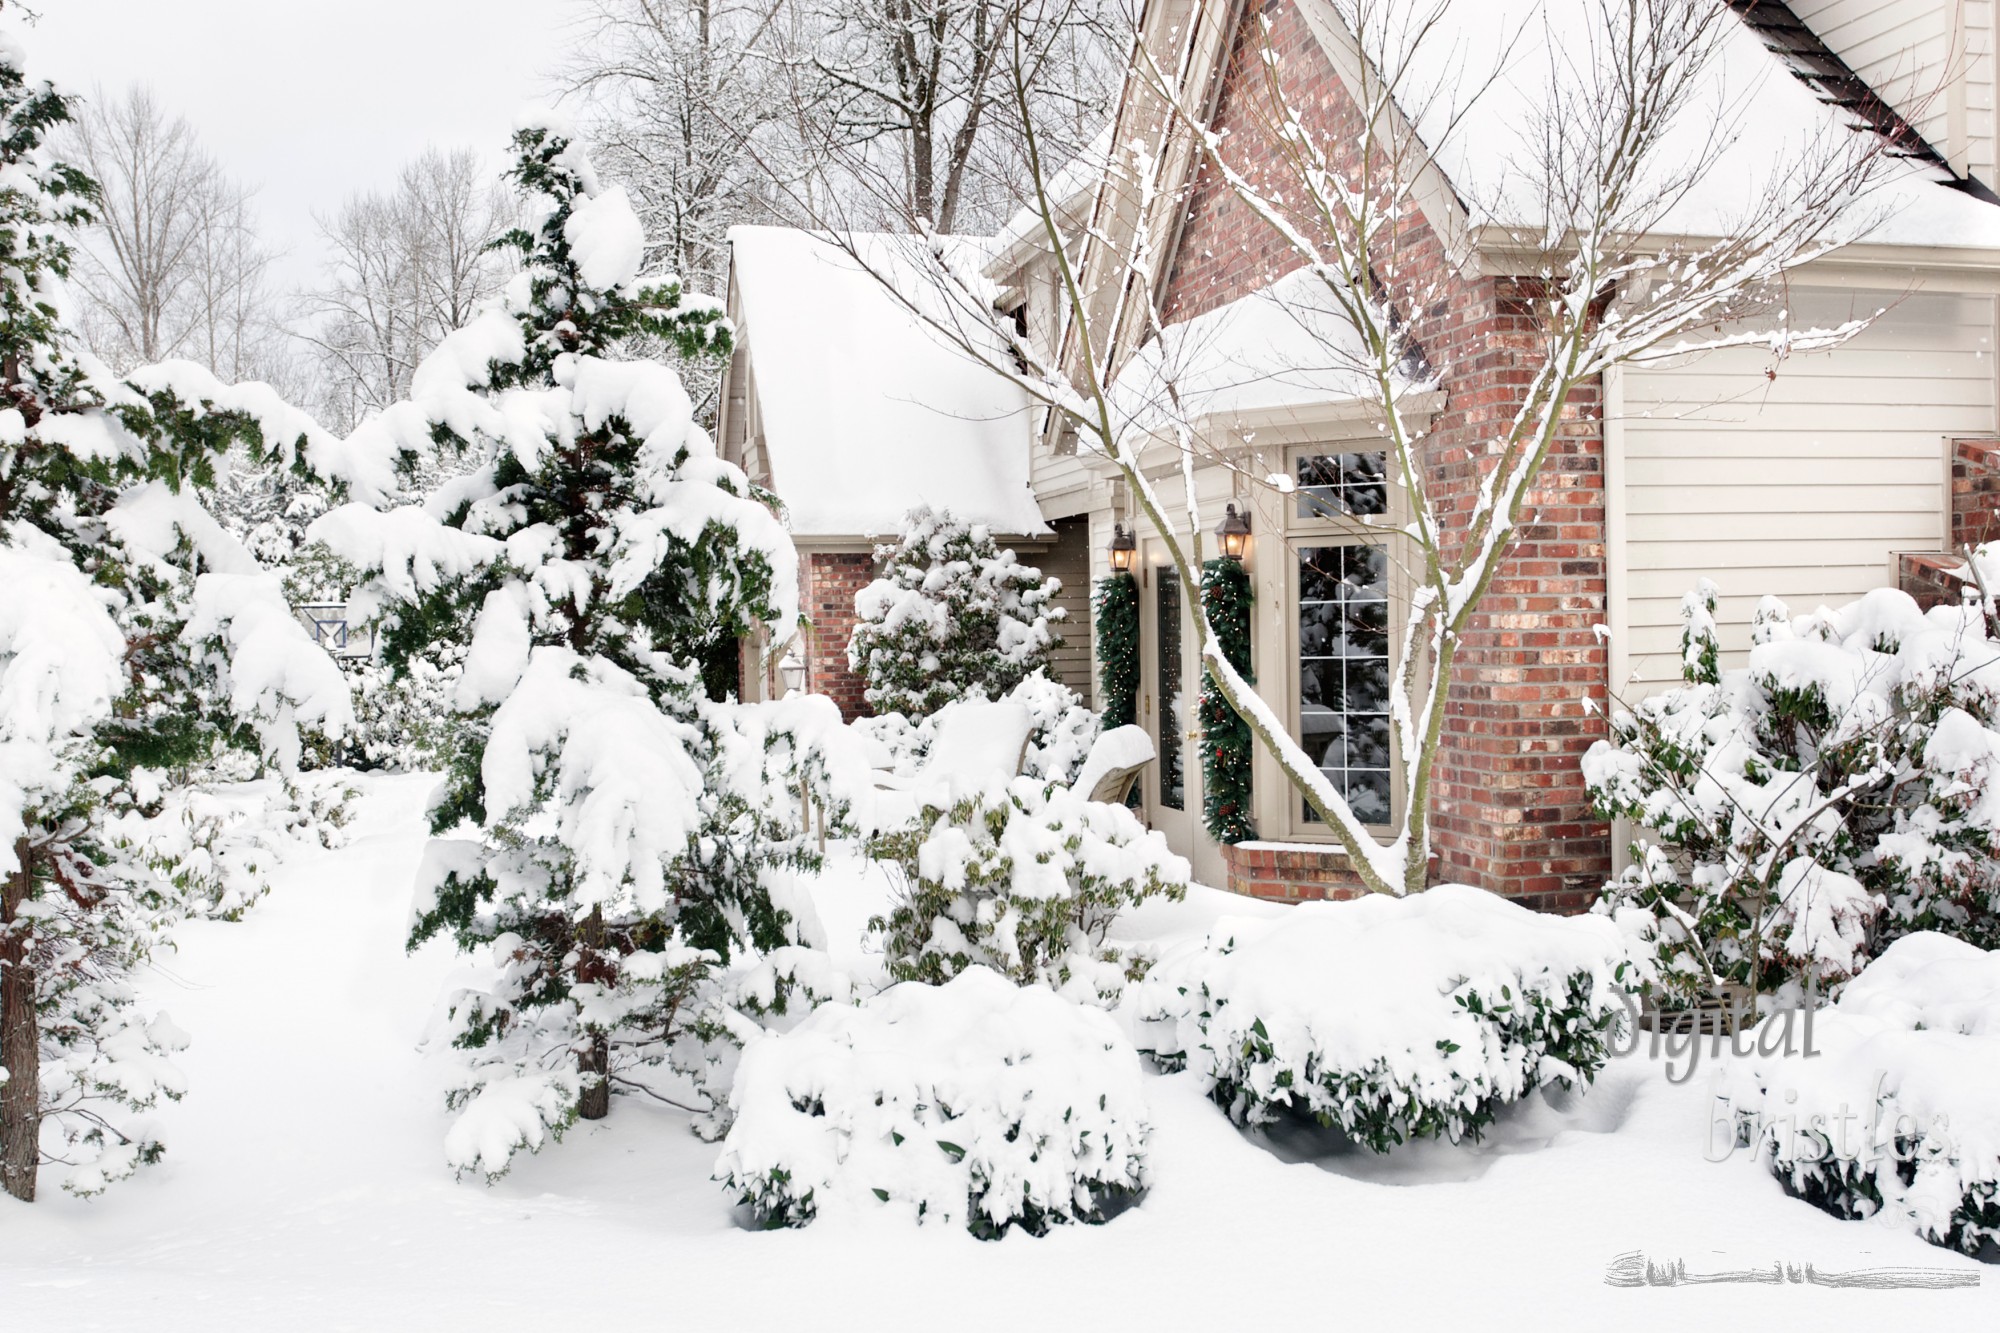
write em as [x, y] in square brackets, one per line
[952, 613]
[594, 556]
[1226, 744]
[137, 641]
[1118, 648]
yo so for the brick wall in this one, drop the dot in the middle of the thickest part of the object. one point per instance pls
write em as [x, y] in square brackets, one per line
[1932, 578]
[1289, 873]
[1975, 493]
[831, 579]
[1510, 812]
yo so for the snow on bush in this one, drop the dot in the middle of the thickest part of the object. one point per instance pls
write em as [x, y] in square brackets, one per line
[1062, 729]
[403, 716]
[1023, 877]
[1799, 813]
[1391, 1018]
[1893, 1110]
[951, 612]
[974, 1103]
[218, 844]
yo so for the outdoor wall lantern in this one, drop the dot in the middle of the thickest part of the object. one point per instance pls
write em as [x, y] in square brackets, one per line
[791, 673]
[1124, 548]
[1234, 534]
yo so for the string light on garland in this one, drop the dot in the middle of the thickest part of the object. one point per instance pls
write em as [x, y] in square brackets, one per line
[1117, 599]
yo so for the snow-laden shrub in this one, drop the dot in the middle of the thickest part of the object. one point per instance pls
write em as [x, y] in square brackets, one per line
[1797, 814]
[1025, 878]
[1062, 727]
[403, 715]
[974, 1104]
[682, 988]
[1390, 1018]
[219, 844]
[951, 612]
[1893, 1112]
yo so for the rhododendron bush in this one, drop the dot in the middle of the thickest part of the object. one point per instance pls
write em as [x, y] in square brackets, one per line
[1797, 814]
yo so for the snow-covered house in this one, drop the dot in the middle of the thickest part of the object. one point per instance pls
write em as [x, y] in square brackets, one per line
[842, 401]
[1835, 477]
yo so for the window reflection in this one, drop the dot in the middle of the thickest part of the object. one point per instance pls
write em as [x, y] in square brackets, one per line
[1344, 671]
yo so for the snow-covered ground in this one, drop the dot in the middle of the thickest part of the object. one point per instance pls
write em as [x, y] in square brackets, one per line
[304, 1188]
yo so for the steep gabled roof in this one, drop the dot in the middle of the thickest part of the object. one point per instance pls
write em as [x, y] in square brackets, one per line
[1509, 49]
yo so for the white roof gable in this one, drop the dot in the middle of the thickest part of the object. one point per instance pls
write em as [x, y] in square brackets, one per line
[1768, 118]
[868, 411]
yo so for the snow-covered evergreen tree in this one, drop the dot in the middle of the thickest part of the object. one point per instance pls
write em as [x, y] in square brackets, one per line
[951, 613]
[131, 618]
[595, 552]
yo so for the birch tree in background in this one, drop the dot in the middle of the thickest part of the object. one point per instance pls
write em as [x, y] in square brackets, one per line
[407, 266]
[1624, 129]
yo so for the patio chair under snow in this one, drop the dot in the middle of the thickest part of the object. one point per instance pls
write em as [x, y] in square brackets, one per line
[1114, 763]
[973, 744]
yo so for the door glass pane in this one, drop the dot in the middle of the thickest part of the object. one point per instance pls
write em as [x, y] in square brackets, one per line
[1344, 672]
[1173, 710]
[1332, 484]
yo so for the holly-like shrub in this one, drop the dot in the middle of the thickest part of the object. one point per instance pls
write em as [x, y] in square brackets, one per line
[1024, 878]
[951, 613]
[1798, 814]
[1389, 1018]
[1893, 1111]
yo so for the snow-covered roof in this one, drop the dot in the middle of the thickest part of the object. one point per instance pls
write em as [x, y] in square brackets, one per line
[1077, 177]
[1769, 120]
[867, 410]
[1283, 346]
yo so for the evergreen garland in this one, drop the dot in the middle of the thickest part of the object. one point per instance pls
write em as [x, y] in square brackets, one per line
[1226, 742]
[1118, 648]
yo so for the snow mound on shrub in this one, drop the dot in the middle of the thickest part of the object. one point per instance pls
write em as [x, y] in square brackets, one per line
[1894, 1112]
[1930, 980]
[976, 1103]
[1391, 1018]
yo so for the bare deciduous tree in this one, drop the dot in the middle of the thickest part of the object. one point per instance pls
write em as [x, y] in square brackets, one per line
[1620, 129]
[687, 106]
[913, 99]
[408, 265]
[173, 266]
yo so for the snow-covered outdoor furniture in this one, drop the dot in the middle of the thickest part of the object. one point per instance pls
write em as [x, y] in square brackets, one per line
[975, 743]
[1114, 763]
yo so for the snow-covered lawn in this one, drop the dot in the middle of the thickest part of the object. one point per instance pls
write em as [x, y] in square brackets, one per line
[304, 1188]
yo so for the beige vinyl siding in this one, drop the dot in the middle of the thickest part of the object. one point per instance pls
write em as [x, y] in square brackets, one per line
[1911, 52]
[1069, 560]
[1804, 486]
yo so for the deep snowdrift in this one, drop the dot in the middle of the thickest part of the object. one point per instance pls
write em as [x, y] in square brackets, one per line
[305, 1188]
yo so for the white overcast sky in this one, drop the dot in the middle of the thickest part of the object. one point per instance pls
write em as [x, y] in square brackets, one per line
[310, 100]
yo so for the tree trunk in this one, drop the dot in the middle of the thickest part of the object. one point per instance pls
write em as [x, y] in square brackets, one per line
[595, 1063]
[20, 1041]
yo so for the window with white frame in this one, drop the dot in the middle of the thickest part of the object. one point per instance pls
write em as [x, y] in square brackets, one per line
[1342, 631]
